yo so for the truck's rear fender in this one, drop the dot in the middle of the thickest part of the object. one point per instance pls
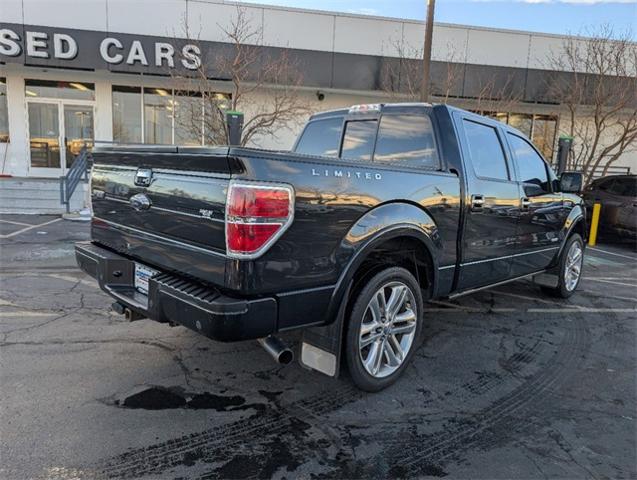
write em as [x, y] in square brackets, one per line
[400, 222]
[389, 221]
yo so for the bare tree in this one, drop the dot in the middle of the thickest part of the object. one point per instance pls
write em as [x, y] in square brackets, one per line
[264, 85]
[599, 94]
[401, 79]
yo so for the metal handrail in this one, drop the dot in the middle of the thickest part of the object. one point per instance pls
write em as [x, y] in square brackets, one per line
[78, 172]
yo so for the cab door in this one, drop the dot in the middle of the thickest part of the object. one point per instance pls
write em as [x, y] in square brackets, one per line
[492, 203]
[542, 213]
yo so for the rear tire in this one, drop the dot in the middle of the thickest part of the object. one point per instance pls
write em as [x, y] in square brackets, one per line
[384, 329]
[569, 269]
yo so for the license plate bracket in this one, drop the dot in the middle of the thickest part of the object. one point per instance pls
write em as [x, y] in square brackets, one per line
[142, 275]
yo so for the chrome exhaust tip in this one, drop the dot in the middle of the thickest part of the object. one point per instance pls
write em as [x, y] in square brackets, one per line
[277, 349]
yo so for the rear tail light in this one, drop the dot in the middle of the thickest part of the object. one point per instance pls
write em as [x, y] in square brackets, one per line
[257, 214]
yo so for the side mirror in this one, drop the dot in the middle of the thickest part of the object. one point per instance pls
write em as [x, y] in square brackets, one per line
[571, 182]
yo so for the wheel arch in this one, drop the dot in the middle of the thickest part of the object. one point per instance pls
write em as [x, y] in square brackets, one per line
[390, 224]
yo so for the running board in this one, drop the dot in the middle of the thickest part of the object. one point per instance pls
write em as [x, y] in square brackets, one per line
[503, 282]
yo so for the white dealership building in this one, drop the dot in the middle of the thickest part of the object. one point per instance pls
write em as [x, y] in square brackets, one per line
[73, 72]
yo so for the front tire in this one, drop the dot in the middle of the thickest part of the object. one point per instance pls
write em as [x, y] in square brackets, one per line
[384, 329]
[569, 268]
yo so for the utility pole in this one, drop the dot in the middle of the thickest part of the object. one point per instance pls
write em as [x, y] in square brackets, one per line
[426, 53]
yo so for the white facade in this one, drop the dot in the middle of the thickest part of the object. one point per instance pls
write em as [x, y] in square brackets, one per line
[305, 30]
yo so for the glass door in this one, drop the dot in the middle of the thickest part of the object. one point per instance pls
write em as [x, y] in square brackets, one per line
[78, 130]
[58, 129]
[44, 137]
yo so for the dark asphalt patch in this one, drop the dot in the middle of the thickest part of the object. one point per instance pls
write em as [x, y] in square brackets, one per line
[161, 398]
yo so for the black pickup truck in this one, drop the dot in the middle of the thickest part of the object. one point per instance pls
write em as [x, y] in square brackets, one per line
[377, 209]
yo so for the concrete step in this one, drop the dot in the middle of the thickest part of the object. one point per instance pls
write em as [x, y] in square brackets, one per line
[25, 195]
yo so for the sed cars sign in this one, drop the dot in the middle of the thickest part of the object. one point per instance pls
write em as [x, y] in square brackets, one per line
[87, 49]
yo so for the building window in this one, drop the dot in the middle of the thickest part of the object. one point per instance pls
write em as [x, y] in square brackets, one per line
[540, 129]
[59, 90]
[188, 111]
[4, 115]
[163, 116]
[158, 116]
[127, 114]
[544, 127]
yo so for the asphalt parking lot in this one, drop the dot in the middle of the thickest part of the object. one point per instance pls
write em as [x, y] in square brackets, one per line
[509, 384]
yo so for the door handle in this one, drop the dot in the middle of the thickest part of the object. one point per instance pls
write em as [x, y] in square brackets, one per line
[526, 203]
[477, 202]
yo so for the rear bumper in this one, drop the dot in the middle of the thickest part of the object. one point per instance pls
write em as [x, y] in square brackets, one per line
[173, 299]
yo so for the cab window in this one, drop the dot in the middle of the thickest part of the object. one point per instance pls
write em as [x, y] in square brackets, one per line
[625, 187]
[531, 167]
[406, 140]
[358, 142]
[486, 151]
[321, 137]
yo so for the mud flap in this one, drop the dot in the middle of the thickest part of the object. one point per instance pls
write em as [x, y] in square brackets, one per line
[547, 279]
[321, 346]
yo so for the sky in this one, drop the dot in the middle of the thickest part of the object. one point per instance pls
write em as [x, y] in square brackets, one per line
[549, 16]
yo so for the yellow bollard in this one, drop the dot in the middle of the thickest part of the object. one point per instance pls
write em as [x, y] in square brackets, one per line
[592, 237]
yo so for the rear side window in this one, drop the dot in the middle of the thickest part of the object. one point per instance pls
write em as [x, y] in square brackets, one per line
[486, 151]
[626, 187]
[406, 140]
[358, 142]
[321, 137]
[531, 167]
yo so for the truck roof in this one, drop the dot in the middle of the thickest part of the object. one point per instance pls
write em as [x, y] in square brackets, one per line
[384, 107]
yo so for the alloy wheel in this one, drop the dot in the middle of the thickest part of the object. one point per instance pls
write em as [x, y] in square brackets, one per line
[573, 266]
[388, 329]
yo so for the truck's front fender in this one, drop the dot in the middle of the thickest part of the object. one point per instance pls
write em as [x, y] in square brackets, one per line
[575, 220]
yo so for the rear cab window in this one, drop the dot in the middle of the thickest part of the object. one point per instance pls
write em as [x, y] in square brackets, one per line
[358, 140]
[400, 137]
[321, 137]
[406, 139]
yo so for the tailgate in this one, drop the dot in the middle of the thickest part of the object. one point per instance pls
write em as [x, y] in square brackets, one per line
[164, 206]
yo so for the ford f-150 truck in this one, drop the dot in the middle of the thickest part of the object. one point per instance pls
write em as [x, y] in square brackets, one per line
[376, 210]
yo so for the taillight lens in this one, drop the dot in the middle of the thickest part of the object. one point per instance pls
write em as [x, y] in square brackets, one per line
[258, 202]
[256, 215]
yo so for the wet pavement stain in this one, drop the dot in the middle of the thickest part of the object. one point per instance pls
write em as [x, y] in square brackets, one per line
[160, 398]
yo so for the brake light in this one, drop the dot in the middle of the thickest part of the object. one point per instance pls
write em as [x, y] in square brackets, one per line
[257, 214]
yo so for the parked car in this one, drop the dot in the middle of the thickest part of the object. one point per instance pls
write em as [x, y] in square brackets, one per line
[377, 209]
[617, 195]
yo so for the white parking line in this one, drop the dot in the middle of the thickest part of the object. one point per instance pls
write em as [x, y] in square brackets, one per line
[524, 297]
[16, 223]
[612, 253]
[452, 305]
[581, 310]
[30, 228]
[26, 314]
[72, 279]
[572, 309]
[608, 278]
[67, 278]
[613, 282]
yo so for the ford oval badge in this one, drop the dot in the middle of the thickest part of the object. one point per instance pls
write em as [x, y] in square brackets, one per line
[140, 202]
